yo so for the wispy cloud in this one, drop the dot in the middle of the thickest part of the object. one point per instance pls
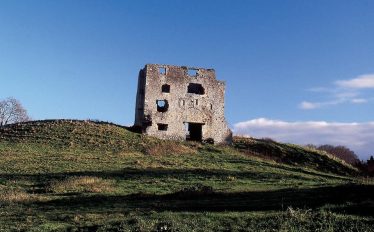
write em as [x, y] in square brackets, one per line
[356, 136]
[360, 82]
[359, 101]
[309, 105]
[342, 91]
[305, 105]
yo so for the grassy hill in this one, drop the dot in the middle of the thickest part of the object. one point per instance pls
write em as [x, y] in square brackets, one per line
[67, 175]
[294, 155]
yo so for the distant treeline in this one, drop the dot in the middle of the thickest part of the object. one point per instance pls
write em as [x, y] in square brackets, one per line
[349, 156]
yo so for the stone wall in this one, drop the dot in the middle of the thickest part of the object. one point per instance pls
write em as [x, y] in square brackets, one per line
[169, 98]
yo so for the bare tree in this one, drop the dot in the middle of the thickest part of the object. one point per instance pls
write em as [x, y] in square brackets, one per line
[11, 111]
[341, 152]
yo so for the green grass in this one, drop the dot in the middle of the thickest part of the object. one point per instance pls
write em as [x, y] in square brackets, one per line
[294, 155]
[67, 175]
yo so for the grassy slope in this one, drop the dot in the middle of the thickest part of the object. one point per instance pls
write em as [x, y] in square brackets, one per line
[294, 155]
[73, 174]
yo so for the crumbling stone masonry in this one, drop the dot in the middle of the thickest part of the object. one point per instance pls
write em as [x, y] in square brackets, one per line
[181, 103]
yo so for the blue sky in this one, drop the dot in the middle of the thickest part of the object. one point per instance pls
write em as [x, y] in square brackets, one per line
[291, 62]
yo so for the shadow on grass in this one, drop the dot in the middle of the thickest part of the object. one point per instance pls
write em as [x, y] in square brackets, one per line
[290, 168]
[348, 197]
[42, 179]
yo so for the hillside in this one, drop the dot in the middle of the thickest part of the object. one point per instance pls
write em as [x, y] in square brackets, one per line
[294, 155]
[62, 175]
[106, 137]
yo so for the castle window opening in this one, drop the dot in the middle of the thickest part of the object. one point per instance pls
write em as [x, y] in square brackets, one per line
[165, 88]
[192, 72]
[162, 127]
[182, 103]
[162, 105]
[162, 70]
[196, 89]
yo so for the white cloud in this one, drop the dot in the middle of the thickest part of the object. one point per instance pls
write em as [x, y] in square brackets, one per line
[321, 90]
[343, 91]
[360, 82]
[356, 136]
[359, 100]
[305, 105]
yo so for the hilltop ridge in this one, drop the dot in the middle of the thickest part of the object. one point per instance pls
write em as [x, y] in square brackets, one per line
[109, 137]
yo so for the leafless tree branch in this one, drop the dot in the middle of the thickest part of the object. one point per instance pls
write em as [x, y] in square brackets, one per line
[12, 111]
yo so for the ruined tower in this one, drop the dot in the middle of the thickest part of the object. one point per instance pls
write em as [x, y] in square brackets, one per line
[181, 103]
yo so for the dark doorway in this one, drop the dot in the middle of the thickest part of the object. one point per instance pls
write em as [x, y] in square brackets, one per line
[194, 131]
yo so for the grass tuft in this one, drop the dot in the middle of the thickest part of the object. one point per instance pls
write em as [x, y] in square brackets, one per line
[86, 184]
[10, 196]
[162, 148]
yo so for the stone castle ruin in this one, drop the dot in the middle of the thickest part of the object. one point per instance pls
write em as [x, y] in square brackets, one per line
[181, 103]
